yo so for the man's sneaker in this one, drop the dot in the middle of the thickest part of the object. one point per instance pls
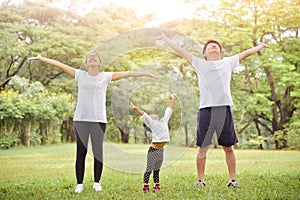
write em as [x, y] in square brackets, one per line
[233, 184]
[156, 187]
[97, 187]
[146, 188]
[200, 183]
[79, 188]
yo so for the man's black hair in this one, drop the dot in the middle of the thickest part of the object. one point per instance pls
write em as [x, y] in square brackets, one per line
[208, 42]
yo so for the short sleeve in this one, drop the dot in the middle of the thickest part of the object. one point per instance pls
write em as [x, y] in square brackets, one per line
[108, 77]
[233, 61]
[196, 62]
[77, 73]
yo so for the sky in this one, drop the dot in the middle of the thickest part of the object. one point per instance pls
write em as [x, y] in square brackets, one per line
[163, 10]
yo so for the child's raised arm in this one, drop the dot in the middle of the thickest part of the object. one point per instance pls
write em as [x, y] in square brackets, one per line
[136, 109]
[172, 99]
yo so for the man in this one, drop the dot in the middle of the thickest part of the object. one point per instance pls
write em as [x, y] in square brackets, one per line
[214, 74]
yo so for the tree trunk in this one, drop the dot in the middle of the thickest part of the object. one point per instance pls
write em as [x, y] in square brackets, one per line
[26, 134]
[124, 134]
[68, 129]
[145, 137]
[186, 135]
[276, 104]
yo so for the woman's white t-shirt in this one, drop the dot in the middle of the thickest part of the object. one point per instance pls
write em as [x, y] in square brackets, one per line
[159, 128]
[91, 101]
[214, 80]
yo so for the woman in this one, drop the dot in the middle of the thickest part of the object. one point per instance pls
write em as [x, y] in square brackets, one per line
[90, 114]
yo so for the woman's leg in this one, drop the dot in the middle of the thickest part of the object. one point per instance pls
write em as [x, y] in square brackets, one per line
[97, 131]
[81, 136]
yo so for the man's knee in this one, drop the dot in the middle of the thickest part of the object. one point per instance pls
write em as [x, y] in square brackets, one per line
[202, 151]
[228, 149]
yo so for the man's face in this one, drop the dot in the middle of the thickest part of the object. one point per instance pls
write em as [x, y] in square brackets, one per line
[212, 48]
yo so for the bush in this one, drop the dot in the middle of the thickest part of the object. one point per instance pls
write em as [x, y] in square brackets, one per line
[32, 113]
[8, 142]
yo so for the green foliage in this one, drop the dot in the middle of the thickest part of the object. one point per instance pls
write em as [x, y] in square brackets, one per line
[31, 106]
[265, 88]
[7, 142]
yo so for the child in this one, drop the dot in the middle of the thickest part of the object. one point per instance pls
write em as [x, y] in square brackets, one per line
[160, 137]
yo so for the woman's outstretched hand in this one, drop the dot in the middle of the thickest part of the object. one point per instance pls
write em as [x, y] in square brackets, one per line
[38, 57]
[153, 76]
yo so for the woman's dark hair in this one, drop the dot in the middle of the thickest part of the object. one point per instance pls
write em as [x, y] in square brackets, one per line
[93, 52]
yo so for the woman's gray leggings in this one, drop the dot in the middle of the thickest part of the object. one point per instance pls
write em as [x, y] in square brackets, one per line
[82, 132]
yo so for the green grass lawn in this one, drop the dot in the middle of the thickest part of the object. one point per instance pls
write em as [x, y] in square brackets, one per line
[47, 172]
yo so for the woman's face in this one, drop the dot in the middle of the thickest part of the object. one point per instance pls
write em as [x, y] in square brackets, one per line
[92, 59]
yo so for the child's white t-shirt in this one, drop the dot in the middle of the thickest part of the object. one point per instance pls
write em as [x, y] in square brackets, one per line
[91, 102]
[214, 80]
[159, 128]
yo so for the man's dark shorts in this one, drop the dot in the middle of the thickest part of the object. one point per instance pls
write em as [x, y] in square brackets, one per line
[217, 119]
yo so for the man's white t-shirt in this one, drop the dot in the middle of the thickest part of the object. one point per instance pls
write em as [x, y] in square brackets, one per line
[159, 128]
[214, 80]
[91, 101]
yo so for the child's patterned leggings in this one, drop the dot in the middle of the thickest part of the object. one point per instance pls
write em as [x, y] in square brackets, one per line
[154, 162]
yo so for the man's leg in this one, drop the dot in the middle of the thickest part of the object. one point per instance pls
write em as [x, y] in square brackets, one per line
[200, 162]
[231, 161]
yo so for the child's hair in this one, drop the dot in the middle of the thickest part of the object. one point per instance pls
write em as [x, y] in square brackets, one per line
[146, 127]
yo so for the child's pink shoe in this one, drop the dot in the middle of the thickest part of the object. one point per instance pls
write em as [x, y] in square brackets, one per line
[156, 187]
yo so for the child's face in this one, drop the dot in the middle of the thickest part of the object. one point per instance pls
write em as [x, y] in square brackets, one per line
[154, 117]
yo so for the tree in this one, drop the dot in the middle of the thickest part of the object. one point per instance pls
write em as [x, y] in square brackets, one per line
[264, 86]
[270, 103]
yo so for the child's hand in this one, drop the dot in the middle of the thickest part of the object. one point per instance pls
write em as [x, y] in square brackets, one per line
[132, 106]
[172, 98]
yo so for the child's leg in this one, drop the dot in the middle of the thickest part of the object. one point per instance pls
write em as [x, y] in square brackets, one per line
[150, 163]
[149, 168]
[159, 160]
